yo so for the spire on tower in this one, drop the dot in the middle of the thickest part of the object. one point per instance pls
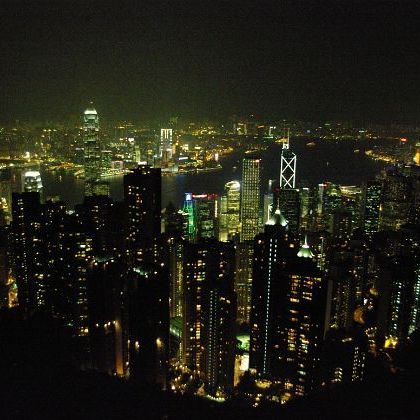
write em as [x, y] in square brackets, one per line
[287, 137]
[305, 251]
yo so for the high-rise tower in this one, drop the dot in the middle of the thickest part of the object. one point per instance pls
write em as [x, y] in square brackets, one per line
[148, 289]
[287, 315]
[230, 217]
[288, 196]
[250, 197]
[92, 151]
[165, 145]
[287, 166]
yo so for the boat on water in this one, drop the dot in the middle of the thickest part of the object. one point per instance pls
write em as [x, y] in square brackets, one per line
[311, 144]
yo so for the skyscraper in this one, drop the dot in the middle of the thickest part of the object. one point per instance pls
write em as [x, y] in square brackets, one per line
[243, 280]
[26, 250]
[142, 195]
[230, 210]
[206, 210]
[209, 307]
[287, 166]
[287, 316]
[148, 278]
[92, 152]
[107, 317]
[287, 196]
[250, 197]
[397, 201]
[165, 145]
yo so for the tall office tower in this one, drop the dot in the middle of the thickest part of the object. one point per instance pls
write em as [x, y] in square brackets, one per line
[67, 252]
[209, 307]
[250, 198]
[148, 290]
[288, 311]
[219, 313]
[189, 210]
[397, 201]
[175, 228]
[308, 208]
[243, 280]
[372, 193]
[107, 316]
[206, 212]
[92, 153]
[348, 280]
[341, 224]
[289, 202]
[142, 195]
[175, 222]
[287, 166]
[398, 285]
[165, 145]
[287, 197]
[148, 325]
[5, 197]
[176, 270]
[26, 249]
[230, 211]
[330, 199]
[305, 208]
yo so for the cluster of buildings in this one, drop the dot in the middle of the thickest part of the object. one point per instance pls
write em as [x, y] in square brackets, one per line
[267, 292]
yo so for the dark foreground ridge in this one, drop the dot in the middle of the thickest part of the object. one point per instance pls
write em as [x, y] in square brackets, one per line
[38, 381]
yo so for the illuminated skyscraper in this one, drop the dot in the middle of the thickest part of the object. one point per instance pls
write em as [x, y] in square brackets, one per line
[243, 279]
[288, 197]
[230, 210]
[26, 250]
[289, 203]
[287, 166]
[142, 195]
[209, 307]
[287, 315]
[397, 201]
[107, 329]
[250, 197]
[165, 145]
[206, 211]
[189, 210]
[92, 153]
[148, 284]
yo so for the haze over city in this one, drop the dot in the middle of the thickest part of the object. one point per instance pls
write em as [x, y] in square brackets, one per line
[209, 209]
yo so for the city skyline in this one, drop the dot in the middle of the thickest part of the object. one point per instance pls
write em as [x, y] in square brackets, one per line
[209, 211]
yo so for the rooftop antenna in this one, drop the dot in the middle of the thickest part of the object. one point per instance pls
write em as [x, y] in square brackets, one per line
[287, 137]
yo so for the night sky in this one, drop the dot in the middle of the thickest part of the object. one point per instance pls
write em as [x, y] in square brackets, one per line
[302, 59]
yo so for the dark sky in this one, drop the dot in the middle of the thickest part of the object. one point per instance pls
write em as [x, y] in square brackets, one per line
[299, 59]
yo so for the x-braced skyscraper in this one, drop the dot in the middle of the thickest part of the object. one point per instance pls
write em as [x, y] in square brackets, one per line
[287, 166]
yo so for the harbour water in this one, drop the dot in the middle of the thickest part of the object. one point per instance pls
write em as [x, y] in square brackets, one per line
[342, 162]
